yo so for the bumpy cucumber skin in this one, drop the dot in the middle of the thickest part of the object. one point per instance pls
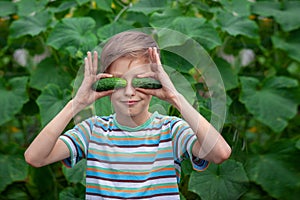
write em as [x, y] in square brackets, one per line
[146, 83]
[105, 84]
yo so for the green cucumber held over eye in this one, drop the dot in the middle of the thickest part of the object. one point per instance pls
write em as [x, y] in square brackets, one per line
[147, 83]
[105, 84]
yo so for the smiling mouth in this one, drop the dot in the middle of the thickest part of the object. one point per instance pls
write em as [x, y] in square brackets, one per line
[130, 102]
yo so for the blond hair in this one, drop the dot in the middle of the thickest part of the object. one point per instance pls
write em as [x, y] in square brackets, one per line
[126, 44]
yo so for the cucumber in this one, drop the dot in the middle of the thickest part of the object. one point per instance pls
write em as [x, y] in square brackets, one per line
[147, 83]
[109, 84]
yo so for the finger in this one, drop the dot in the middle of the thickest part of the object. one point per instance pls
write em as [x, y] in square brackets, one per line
[148, 74]
[95, 62]
[86, 66]
[103, 75]
[150, 51]
[98, 95]
[90, 67]
[152, 92]
[156, 56]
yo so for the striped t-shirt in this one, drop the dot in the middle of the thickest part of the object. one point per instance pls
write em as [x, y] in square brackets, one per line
[131, 163]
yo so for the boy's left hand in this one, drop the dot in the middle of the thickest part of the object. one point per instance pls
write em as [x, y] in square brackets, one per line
[168, 91]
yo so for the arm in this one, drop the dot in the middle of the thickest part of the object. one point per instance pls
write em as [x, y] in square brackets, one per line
[46, 148]
[210, 145]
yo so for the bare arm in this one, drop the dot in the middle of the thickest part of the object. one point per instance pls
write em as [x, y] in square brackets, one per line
[210, 145]
[46, 148]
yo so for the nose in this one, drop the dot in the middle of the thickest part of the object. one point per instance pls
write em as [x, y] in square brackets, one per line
[129, 90]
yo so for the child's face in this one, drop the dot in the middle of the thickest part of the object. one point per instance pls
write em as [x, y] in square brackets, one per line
[128, 102]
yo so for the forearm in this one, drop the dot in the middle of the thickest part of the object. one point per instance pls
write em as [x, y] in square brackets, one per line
[211, 145]
[40, 149]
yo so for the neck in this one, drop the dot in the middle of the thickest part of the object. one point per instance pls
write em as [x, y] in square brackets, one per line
[132, 121]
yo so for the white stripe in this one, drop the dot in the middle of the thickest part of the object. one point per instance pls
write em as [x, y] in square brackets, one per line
[131, 184]
[79, 135]
[131, 150]
[142, 167]
[73, 153]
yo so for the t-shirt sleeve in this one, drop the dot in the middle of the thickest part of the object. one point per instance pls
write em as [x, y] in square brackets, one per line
[184, 139]
[77, 140]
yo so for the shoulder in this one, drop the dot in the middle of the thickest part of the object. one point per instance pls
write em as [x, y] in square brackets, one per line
[167, 119]
[97, 121]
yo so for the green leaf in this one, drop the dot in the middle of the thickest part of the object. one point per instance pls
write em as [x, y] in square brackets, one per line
[77, 173]
[12, 168]
[226, 181]
[64, 6]
[40, 181]
[229, 76]
[103, 106]
[290, 45]
[111, 29]
[198, 29]
[286, 13]
[30, 25]
[74, 32]
[104, 5]
[29, 7]
[298, 144]
[147, 7]
[76, 192]
[270, 102]
[164, 19]
[51, 101]
[277, 170]
[237, 7]
[7, 8]
[13, 96]
[48, 72]
[237, 25]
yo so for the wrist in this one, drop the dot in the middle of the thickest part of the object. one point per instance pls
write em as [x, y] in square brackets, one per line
[75, 106]
[176, 101]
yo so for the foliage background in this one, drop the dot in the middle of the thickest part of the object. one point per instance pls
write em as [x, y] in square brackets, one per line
[255, 45]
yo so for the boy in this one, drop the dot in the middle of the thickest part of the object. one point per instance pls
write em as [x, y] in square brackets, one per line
[132, 154]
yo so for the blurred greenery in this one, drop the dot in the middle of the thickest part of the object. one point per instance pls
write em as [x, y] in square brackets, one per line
[254, 44]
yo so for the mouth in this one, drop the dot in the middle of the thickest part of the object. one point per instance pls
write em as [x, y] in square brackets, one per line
[130, 102]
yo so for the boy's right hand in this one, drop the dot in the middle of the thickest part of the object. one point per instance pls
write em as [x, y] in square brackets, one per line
[85, 94]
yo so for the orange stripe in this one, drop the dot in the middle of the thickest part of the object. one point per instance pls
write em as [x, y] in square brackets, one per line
[129, 173]
[133, 138]
[132, 154]
[134, 190]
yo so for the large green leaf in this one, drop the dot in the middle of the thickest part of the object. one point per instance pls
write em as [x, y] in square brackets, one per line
[290, 45]
[286, 13]
[229, 75]
[7, 8]
[227, 181]
[30, 25]
[12, 168]
[77, 173]
[104, 5]
[164, 19]
[271, 101]
[76, 192]
[51, 101]
[13, 96]
[198, 29]
[40, 181]
[48, 72]
[277, 170]
[147, 7]
[29, 7]
[111, 29]
[74, 32]
[237, 7]
[237, 25]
